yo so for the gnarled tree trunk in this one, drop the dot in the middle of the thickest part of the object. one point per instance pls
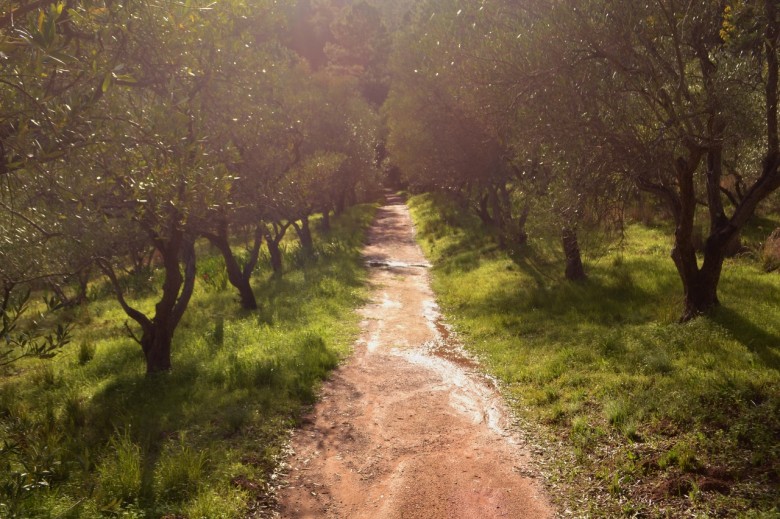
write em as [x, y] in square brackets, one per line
[157, 332]
[304, 235]
[239, 277]
[571, 250]
[273, 237]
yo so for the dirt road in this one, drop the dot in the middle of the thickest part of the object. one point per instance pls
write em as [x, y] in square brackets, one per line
[407, 428]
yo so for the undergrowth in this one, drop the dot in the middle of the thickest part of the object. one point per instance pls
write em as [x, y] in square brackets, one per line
[88, 434]
[655, 418]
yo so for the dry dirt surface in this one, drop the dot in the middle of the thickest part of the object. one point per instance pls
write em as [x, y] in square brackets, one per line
[407, 427]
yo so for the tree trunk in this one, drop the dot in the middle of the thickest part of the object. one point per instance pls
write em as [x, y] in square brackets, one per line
[156, 345]
[80, 297]
[482, 211]
[83, 281]
[241, 283]
[273, 237]
[701, 295]
[236, 276]
[341, 201]
[157, 332]
[571, 250]
[351, 198]
[304, 235]
[499, 226]
[522, 219]
[276, 256]
[177, 291]
[700, 285]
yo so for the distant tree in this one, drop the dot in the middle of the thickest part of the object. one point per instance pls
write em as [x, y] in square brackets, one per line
[251, 141]
[458, 122]
[334, 152]
[360, 47]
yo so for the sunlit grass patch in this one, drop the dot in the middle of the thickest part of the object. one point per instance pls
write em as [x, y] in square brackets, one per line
[201, 441]
[604, 364]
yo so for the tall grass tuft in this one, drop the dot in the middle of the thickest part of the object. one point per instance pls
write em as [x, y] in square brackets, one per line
[179, 471]
[119, 473]
[86, 352]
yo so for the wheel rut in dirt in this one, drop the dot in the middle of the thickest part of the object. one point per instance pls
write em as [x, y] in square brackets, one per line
[407, 427]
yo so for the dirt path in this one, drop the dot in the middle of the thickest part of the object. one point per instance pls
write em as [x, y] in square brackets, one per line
[407, 428]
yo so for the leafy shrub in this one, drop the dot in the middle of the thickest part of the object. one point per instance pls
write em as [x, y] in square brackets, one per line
[86, 352]
[30, 462]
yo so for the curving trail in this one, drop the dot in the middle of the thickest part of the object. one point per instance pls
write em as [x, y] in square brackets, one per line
[407, 428]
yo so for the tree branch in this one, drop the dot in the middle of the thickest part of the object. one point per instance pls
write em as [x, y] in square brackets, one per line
[131, 333]
[134, 314]
[188, 255]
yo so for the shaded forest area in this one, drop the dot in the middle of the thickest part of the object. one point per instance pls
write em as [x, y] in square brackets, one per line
[184, 186]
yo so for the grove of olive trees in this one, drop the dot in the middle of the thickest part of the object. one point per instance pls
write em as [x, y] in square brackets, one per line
[574, 101]
[132, 128]
[194, 178]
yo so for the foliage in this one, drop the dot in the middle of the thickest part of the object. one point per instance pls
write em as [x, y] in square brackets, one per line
[21, 339]
[576, 106]
[126, 117]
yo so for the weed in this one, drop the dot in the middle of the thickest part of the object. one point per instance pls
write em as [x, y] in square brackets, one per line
[86, 352]
[218, 335]
[119, 473]
[213, 274]
[46, 375]
[179, 471]
[583, 435]
[236, 417]
[681, 456]
[615, 486]
[617, 412]
[216, 503]
[75, 412]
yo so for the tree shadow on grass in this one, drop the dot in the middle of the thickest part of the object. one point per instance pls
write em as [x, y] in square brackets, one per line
[610, 295]
[763, 343]
[147, 408]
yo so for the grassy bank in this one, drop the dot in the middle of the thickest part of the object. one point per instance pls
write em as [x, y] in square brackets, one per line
[87, 434]
[640, 415]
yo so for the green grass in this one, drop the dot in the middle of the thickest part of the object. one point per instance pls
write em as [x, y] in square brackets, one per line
[88, 434]
[664, 416]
